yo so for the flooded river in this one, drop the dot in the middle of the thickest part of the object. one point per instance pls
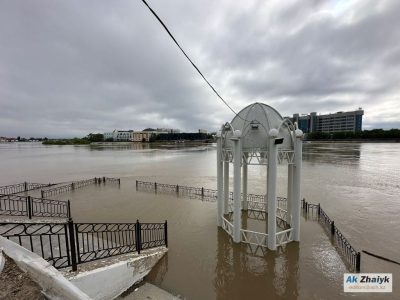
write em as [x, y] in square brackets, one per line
[358, 185]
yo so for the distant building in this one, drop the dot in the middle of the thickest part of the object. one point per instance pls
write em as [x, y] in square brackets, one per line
[168, 130]
[330, 123]
[183, 136]
[119, 135]
[138, 136]
[202, 131]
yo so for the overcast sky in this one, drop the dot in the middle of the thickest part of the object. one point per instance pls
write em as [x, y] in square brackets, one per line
[68, 68]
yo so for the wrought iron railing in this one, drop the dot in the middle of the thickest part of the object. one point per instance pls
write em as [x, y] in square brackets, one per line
[349, 252]
[50, 208]
[26, 206]
[48, 240]
[12, 205]
[100, 240]
[152, 235]
[22, 187]
[68, 244]
[77, 184]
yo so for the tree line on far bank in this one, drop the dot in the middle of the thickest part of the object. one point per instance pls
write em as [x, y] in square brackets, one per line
[90, 138]
[373, 134]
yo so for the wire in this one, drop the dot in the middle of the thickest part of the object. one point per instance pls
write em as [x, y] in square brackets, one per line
[165, 27]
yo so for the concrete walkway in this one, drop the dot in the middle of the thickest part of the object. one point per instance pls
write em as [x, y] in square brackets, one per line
[147, 291]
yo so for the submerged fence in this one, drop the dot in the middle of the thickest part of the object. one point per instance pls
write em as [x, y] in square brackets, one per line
[352, 256]
[27, 206]
[69, 244]
[78, 184]
[22, 187]
[256, 202]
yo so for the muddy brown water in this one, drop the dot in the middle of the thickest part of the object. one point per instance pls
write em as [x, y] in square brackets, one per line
[356, 184]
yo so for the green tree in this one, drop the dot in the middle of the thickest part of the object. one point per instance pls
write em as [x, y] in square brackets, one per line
[97, 137]
[144, 140]
[319, 135]
[152, 138]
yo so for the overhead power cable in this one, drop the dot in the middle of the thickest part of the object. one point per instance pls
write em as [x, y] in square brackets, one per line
[201, 74]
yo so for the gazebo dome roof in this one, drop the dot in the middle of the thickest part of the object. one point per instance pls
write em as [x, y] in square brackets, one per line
[255, 121]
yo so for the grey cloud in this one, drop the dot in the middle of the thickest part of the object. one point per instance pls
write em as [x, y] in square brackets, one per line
[70, 68]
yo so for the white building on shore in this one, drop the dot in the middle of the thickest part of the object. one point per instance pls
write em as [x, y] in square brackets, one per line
[119, 135]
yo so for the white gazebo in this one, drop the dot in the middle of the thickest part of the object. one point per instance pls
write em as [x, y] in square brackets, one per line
[258, 135]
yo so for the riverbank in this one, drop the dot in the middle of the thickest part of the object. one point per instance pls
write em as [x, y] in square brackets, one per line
[67, 142]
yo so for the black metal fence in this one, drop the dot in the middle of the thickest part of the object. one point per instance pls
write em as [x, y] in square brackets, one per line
[78, 184]
[202, 192]
[27, 206]
[99, 240]
[48, 240]
[70, 244]
[22, 187]
[352, 256]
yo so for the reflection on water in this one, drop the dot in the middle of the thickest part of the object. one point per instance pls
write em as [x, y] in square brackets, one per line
[243, 273]
[148, 146]
[328, 154]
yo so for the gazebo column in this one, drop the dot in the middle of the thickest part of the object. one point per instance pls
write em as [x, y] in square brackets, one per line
[237, 181]
[244, 192]
[289, 195]
[220, 209]
[226, 187]
[266, 195]
[272, 183]
[297, 184]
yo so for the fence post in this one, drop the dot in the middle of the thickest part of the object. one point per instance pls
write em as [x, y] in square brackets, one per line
[119, 181]
[69, 210]
[138, 237]
[358, 261]
[29, 206]
[104, 179]
[319, 209]
[95, 180]
[202, 192]
[42, 193]
[306, 206]
[177, 188]
[155, 185]
[72, 243]
[72, 186]
[333, 228]
[166, 233]
[136, 183]
[25, 186]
